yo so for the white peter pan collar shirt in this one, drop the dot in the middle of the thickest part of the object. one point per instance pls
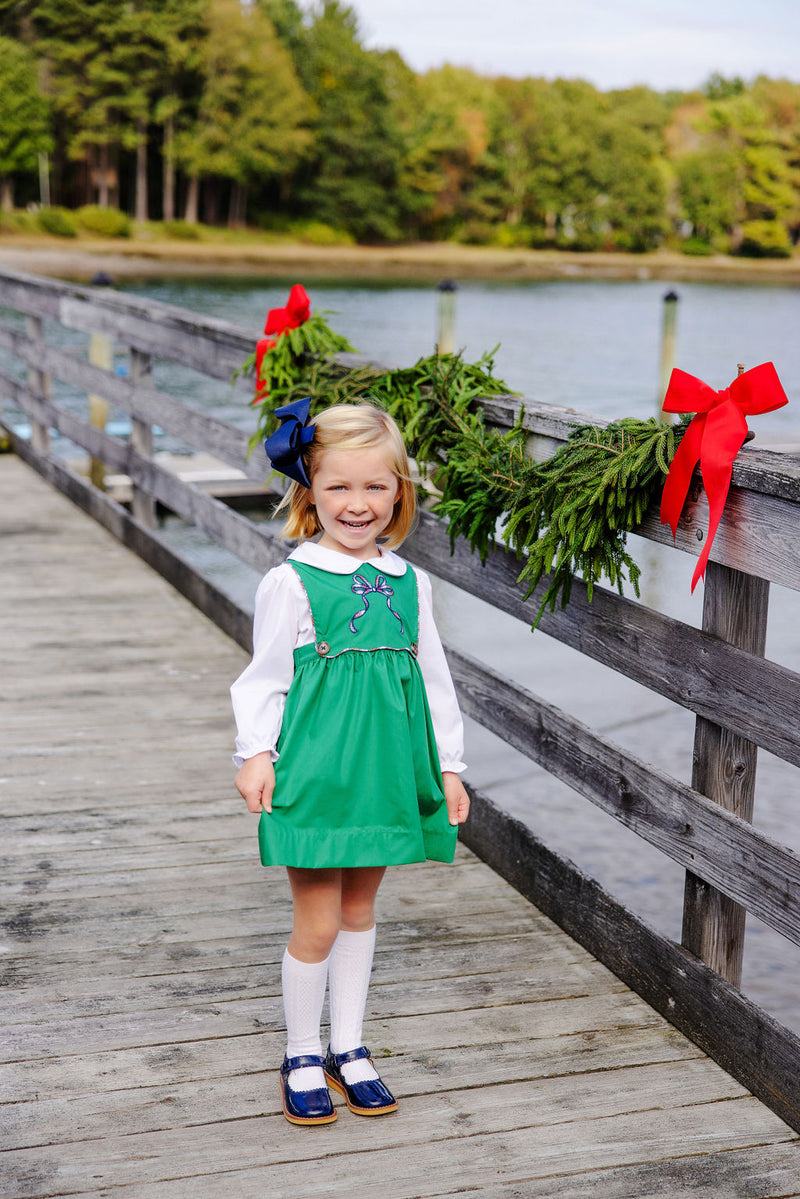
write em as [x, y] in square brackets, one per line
[282, 623]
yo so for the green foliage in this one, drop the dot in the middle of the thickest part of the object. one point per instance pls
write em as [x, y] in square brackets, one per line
[24, 112]
[765, 239]
[276, 106]
[57, 221]
[252, 113]
[105, 222]
[350, 181]
[695, 248]
[566, 516]
[571, 514]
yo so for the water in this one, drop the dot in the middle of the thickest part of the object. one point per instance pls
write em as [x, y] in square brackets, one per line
[594, 347]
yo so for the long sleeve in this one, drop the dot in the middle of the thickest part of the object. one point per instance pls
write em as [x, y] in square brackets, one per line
[281, 622]
[448, 727]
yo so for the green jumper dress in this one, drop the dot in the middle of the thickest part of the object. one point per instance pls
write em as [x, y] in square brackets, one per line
[357, 779]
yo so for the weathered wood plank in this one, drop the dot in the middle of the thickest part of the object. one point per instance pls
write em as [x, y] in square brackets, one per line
[757, 1050]
[157, 1109]
[454, 1138]
[436, 1047]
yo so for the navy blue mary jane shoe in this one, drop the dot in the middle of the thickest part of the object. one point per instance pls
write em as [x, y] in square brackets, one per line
[305, 1107]
[371, 1098]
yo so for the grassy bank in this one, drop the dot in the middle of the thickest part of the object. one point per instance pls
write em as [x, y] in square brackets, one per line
[252, 254]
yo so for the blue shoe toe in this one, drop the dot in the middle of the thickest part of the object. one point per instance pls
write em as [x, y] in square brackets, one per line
[370, 1098]
[305, 1107]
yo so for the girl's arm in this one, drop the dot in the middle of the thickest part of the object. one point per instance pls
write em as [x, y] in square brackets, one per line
[448, 726]
[259, 694]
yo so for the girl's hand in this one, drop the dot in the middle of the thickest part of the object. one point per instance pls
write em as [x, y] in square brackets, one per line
[456, 797]
[255, 782]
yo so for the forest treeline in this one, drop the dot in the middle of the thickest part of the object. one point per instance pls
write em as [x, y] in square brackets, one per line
[273, 114]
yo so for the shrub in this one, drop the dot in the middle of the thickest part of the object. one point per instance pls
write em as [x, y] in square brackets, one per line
[182, 230]
[317, 233]
[765, 239]
[696, 248]
[57, 221]
[105, 222]
[510, 237]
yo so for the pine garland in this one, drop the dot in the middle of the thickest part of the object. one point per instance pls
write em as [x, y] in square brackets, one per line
[567, 516]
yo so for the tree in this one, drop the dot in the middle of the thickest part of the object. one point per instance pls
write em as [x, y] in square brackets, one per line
[351, 178]
[85, 47]
[252, 117]
[451, 155]
[24, 117]
[709, 193]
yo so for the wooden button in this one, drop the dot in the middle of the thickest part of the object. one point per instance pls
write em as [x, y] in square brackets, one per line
[323, 648]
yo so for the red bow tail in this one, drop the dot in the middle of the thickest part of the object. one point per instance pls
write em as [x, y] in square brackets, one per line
[263, 345]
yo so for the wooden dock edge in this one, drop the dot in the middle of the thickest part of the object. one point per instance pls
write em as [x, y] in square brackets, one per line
[755, 1049]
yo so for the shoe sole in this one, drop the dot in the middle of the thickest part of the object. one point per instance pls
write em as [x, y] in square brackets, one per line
[360, 1111]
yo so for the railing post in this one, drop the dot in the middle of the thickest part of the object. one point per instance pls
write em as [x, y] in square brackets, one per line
[143, 505]
[39, 383]
[100, 354]
[735, 609]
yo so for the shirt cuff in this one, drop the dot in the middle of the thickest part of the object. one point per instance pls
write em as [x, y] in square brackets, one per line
[454, 767]
[240, 759]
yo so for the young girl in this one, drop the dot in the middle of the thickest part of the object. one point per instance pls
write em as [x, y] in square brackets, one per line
[349, 735]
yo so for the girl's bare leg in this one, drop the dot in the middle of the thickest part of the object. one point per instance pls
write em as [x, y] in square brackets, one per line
[317, 900]
[359, 888]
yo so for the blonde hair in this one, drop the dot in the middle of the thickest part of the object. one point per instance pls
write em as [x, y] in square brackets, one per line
[353, 427]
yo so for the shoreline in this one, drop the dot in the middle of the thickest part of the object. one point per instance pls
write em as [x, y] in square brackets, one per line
[429, 262]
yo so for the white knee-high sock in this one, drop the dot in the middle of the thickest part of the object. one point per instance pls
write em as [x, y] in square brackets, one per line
[349, 971]
[303, 996]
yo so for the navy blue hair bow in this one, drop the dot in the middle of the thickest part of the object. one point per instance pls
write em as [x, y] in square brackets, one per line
[285, 446]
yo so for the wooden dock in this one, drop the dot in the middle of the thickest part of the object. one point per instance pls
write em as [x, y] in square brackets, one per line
[141, 944]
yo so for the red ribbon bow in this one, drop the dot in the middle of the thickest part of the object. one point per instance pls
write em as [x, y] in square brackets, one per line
[713, 438]
[296, 312]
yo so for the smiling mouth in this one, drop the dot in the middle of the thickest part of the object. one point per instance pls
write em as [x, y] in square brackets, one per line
[356, 524]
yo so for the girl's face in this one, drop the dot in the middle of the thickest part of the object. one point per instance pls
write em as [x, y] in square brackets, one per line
[354, 493]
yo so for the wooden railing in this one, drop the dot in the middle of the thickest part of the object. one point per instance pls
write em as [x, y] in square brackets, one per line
[718, 672]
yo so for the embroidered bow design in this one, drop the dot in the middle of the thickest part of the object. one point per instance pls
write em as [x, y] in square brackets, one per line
[713, 438]
[362, 586]
[296, 313]
[285, 447]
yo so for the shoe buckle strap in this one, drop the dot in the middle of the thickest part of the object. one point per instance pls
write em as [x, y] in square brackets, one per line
[297, 1063]
[352, 1055]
